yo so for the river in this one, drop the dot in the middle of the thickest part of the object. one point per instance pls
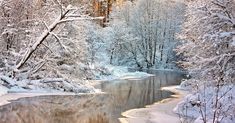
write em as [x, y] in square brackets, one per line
[119, 95]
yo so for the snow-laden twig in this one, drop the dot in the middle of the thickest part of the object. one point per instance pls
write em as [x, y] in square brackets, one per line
[58, 40]
[78, 19]
[39, 66]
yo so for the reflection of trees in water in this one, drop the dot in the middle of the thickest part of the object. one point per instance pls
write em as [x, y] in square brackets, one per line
[57, 109]
[129, 94]
[101, 108]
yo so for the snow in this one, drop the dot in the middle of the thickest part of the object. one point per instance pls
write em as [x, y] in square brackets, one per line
[18, 89]
[205, 99]
[159, 112]
[44, 85]
[3, 90]
[226, 34]
[5, 99]
[186, 85]
[210, 62]
[121, 72]
[54, 85]
[7, 80]
[233, 41]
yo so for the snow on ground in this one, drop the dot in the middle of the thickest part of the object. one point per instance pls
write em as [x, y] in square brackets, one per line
[55, 85]
[121, 72]
[202, 102]
[7, 98]
[46, 85]
[160, 112]
[3, 90]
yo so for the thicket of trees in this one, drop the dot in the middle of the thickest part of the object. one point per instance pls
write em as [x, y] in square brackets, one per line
[51, 43]
[208, 47]
[43, 40]
[142, 33]
[59, 40]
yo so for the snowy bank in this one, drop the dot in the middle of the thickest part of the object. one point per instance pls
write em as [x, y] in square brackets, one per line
[159, 112]
[3, 90]
[121, 72]
[55, 85]
[200, 105]
[7, 98]
[46, 85]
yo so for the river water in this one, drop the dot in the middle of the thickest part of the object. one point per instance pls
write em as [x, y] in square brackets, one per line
[120, 95]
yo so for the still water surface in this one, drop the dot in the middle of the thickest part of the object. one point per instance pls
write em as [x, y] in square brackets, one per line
[121, 95]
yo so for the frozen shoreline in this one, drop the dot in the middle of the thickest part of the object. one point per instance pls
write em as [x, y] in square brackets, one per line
[6, 97]
[160, 112]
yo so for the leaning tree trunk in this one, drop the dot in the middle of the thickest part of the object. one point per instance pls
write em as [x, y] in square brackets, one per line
[39, 41]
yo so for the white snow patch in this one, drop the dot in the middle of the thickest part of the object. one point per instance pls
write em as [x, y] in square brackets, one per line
[204, 99]
[233, 41]
[3, 90]
[120, 72]
[44, 85]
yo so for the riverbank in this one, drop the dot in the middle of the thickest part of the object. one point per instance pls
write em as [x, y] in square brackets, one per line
[160, 112]
[119, 95]
[7, 98]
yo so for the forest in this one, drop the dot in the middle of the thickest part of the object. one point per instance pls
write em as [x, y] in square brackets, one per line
[51, 46]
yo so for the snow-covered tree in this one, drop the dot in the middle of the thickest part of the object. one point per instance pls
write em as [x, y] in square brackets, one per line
[208, 48]
[144, 32]
[43, 40]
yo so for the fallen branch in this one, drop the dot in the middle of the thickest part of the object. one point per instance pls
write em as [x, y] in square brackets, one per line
[48, 80]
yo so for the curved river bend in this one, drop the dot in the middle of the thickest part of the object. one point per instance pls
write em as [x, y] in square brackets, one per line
[121, 95]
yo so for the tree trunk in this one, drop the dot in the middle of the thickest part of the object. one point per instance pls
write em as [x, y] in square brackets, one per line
[39, 41]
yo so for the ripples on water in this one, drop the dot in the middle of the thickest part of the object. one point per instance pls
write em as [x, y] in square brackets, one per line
[121, 95]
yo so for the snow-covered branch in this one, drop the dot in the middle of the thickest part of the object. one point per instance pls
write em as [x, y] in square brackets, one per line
[79, 19]
[45, 34]
[47, 80]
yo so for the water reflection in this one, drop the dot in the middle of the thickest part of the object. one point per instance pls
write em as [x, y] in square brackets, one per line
[57, 109]
[137, 93]
[95, 108]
